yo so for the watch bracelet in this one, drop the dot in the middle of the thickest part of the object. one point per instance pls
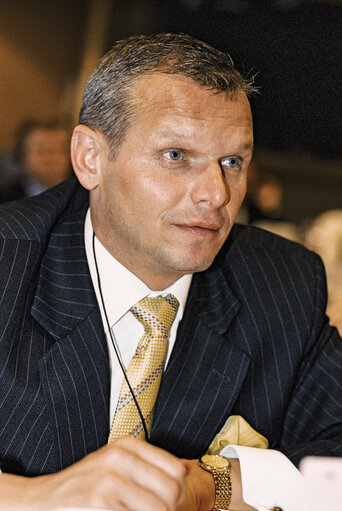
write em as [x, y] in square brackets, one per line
[224, 496]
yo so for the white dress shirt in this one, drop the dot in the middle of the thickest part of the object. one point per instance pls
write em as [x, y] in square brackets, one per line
[268, 477]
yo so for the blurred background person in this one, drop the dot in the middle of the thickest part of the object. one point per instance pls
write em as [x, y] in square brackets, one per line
[324, 236]
[41, 160]
[264, 197]
[264, 204]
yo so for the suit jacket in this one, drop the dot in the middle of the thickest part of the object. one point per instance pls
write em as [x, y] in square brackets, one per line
[253, 341]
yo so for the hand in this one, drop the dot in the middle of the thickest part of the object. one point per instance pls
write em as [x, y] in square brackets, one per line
[200, 488]
[127, 475]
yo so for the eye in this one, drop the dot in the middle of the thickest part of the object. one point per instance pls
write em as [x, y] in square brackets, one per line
[232, 162]
[173, 154]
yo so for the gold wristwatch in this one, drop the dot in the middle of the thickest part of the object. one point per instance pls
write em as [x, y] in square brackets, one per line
[220, 469]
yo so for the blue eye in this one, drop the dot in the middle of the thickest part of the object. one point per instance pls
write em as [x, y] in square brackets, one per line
[233, 162]
[173, 155]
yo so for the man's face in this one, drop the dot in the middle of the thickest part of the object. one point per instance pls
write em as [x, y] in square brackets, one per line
[166, 203]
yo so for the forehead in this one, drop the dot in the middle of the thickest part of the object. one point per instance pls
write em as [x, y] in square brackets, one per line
[175, 101]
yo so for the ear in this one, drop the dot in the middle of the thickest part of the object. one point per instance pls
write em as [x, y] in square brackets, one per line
[86, 156]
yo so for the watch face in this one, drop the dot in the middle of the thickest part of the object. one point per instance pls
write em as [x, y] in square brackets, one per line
[215, 461]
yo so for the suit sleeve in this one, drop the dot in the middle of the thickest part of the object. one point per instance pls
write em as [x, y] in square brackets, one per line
[314, 413]
[313, 422]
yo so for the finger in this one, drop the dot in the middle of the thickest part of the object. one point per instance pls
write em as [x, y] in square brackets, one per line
[139, 469]
[156, 456]
[135, 497]
[105, 488]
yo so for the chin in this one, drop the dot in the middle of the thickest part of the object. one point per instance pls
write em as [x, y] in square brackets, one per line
[192, 266]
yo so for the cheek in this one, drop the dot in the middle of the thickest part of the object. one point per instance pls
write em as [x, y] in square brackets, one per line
[238, 188]
[242, 192]
[158, 192]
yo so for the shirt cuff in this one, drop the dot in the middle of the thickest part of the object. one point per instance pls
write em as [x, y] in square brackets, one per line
[268, 477]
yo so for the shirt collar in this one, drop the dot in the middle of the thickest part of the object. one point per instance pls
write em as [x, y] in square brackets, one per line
[120, 287]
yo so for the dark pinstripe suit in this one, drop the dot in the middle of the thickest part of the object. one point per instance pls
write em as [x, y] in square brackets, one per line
[253, 341]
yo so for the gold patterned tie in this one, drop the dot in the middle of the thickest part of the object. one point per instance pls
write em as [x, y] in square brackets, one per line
[146, 367]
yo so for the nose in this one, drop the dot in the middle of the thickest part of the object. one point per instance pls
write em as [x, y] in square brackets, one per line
[210, 187]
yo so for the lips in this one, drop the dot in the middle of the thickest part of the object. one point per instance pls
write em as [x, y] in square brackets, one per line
[200, 228]
[211, 226]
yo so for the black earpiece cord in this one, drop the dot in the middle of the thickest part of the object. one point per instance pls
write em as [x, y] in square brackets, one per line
[113, 342]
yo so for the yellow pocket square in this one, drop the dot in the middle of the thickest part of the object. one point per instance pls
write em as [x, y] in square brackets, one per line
[237, 431]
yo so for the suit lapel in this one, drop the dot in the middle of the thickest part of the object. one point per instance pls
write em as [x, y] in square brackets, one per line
[65, 293]
[205, 372]
[75, 371]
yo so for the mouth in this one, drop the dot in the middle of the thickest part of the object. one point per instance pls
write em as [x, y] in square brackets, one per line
[200, 229]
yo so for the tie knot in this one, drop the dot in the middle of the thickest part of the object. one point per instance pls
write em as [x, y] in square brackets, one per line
[156, 314]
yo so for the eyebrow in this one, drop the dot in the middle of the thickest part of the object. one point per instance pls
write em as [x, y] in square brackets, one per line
[247, 146]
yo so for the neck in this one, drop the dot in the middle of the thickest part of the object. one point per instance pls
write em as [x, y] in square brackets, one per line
[153, 280]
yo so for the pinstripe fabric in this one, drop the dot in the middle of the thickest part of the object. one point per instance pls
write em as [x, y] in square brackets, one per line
[54, 374]
[253, 341]
[262, 350]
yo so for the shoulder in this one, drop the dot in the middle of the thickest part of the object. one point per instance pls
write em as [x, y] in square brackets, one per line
[254, 255]
[259, 240]
[33, 218]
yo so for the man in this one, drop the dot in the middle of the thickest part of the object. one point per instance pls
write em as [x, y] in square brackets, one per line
[161, 151]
